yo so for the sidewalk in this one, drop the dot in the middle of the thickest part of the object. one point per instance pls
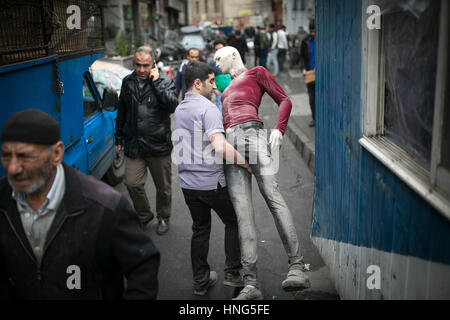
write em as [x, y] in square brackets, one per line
[298, 129]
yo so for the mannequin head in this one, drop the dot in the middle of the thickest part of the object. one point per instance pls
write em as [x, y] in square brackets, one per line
[228, 60]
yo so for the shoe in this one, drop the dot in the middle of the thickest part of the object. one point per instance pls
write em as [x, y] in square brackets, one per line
[233, 280]
[296, 280]
[163, 227]
[249, 293]
[212, 281]
[312, 123]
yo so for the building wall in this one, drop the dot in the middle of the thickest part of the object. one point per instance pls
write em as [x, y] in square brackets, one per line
[248, 12]
[175, 16]
[152, 18]
[363, 214]
[114, 14]
[298, 13]
[206, 10]
[231, 12]
[277, 12]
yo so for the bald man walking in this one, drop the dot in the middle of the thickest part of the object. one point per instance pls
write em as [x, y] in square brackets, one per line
[143, 132]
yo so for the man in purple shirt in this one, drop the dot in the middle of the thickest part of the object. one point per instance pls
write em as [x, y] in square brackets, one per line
[200, 148]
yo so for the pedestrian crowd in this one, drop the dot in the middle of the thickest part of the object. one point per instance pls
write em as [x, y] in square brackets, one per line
[55, 219]
[272, 48]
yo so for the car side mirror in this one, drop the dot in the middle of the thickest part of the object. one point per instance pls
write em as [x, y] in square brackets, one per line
[110, 101]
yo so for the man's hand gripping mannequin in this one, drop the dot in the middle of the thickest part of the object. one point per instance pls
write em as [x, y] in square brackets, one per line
[244, 128]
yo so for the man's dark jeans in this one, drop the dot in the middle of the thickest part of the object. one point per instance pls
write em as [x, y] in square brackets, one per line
[263, 52]
[257, 54]
[312, 98]
[281, 58]
[200, 204]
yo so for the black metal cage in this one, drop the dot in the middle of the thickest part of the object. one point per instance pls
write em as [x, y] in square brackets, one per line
[31, 29]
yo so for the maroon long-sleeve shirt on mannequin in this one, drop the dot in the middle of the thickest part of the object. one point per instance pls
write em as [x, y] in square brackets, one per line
[241, 100]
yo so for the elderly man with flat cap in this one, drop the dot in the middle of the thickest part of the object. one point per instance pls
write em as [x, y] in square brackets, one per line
[65, 235]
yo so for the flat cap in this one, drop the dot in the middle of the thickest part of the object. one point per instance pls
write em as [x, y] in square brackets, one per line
[31, 126]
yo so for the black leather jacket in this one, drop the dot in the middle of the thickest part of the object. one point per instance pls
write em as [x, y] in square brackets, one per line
[147, 132]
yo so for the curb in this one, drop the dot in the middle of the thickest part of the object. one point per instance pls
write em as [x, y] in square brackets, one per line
[303, 145]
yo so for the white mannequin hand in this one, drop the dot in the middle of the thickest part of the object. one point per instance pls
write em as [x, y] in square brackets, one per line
[275, 139]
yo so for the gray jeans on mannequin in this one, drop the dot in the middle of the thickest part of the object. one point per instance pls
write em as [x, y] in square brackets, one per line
[253, 141]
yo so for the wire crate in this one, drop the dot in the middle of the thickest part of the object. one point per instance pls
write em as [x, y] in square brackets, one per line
[31, 29]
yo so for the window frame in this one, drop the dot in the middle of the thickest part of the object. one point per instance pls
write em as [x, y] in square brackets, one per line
[96, 99]
[216, 6]
[432, 184]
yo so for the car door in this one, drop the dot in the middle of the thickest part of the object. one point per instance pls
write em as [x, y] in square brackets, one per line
[98, 131]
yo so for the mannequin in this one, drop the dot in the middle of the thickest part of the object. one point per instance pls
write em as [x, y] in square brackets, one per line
[244, 130]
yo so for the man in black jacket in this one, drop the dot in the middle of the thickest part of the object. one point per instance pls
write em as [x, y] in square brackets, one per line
[193, 54]
[236, 40]
[65, 235]
[307, 63]
[143, 132]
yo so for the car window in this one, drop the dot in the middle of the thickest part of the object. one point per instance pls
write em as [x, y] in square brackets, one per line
[193, 41]
[106, 79]
[91, 104]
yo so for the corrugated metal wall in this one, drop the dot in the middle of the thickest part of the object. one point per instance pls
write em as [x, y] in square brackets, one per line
[360, 205]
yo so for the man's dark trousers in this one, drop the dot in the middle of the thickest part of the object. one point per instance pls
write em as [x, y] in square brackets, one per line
[281, 58]
[312, 98]
[257, 54]
[200, 204]
[263, 52]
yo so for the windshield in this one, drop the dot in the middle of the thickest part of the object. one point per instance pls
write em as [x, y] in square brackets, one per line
[193, 41]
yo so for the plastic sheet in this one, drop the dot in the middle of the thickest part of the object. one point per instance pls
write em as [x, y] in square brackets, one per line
[445, 156]
[415, 7]
[111, 79]
[411, 47]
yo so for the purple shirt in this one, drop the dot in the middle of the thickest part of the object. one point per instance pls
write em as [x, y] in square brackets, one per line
[196, 120]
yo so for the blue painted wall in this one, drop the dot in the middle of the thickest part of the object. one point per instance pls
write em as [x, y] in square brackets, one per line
[357, 199]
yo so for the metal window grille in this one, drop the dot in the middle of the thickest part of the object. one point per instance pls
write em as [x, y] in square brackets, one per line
[31, 29]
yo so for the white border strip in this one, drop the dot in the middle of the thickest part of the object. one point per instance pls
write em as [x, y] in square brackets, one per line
[402, 277]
